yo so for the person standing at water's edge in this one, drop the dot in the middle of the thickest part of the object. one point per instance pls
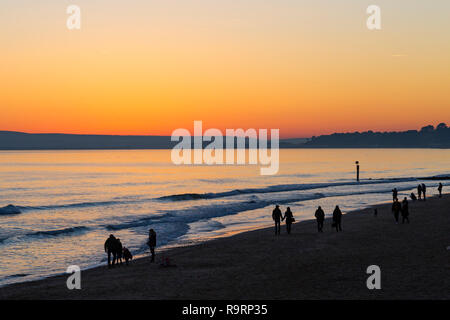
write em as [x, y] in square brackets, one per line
[276, 216]
[424, 191]
[152, 243]
[419, 191]
[440, 190]
[405, 211]
[337, 217]
[320, 217]
[110, 248]
[394, 194]
[396, 208]
[289, 219]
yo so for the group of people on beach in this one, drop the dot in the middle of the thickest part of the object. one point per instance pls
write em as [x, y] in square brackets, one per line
[403, 208]
[421, 192]
[397, 208]
[337, 219]
[116, 251]
[278, 217]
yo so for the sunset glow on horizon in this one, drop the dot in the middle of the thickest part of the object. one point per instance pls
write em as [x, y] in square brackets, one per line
[150, 67]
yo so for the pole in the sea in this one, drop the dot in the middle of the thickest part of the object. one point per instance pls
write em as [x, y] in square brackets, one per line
[357, 171]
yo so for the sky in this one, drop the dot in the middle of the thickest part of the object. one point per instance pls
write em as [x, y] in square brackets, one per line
[306, 67]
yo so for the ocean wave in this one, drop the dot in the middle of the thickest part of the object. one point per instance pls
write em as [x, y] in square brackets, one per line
[274, 189]
[59, 232]
[197, 213]
[17, 275]
[79, 205]
[203, 196]
[205, 212]
[70, 231]
[9, 209]
[139, 222]
[438, 177]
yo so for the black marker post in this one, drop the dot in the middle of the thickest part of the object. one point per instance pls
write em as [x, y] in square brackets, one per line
[357, 171]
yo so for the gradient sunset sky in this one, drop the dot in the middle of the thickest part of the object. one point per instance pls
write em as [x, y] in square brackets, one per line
[149, 67]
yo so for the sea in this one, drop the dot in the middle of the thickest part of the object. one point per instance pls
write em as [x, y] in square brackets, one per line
[57, 208]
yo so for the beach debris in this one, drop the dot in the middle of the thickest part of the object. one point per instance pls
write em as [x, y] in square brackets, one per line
[165, 263]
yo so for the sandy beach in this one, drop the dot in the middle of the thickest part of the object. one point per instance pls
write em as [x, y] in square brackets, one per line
[414, 260]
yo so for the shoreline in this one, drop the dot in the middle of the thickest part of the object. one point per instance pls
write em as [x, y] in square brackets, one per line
[168, 247]
[270, 267]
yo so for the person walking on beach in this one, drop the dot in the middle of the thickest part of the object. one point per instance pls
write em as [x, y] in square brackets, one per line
[288, 216]
[405, 210]
[110, 245]
[419, 191]
[394, 194]
[276, 216]
[320, 217]
[440, 190]
[152, 243]
[424, 191]
[396, 208]
[337, 217]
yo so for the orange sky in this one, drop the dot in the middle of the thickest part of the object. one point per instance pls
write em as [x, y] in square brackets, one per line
[149, 67]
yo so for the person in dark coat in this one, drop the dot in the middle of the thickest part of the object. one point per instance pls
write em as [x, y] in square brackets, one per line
[419, 191]
[277, 216]
[110, 245]
[413, 196]
[424, 191]
[440, 189]
[289, 217]
[394, 194]
[396, 208]
[405, 211]
[320, 217]
[337, 217]
[152, 243]
[118, 249]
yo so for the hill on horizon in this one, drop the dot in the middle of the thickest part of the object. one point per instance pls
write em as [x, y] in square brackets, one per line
[427, 137]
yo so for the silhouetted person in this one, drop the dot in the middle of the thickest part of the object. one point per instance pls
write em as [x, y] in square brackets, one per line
[419, 191]
[320, 217]
[118, 249]
[110, 244]
[405, 211]
[413, 196]
[440, 190]
[337, 217]
[375, 212]
[396, 208]
[127, 255]
[289, 219]
[276, 216]
[424, 191]
[394, 194]
[152, 243]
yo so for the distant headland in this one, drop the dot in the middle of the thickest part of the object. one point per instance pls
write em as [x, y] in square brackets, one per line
[427, 137]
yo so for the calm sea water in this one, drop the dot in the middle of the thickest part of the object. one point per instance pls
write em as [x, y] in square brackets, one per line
[70, 201]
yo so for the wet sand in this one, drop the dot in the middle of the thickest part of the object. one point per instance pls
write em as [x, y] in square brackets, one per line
[414, 260]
